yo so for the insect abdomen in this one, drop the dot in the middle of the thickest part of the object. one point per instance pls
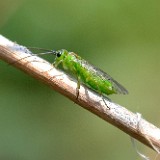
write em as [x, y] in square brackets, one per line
[95, 82]
[87, 75]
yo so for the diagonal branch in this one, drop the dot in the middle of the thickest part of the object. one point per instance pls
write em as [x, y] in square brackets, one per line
[117, 115]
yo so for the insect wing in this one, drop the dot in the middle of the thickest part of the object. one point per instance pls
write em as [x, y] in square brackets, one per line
[98, 72]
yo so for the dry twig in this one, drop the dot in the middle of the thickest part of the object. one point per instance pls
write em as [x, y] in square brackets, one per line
[117, 115]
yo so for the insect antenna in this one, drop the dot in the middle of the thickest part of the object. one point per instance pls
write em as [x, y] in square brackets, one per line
[47, 51]
[37, 48]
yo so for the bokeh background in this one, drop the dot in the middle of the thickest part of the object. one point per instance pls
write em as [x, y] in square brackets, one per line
[120, 37]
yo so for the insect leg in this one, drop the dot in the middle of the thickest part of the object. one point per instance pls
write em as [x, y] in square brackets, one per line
[78, 87]
[105, 102]
[103, 97]
[100, 93]
[78, 80]
[56, 64]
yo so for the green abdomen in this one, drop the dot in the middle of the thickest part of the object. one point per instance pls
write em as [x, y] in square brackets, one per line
[95, 82]
[91, 77]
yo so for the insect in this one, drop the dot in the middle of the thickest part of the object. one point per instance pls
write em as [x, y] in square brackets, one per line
[86, 73]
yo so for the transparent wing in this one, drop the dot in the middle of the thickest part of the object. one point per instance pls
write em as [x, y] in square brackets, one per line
[98, 72]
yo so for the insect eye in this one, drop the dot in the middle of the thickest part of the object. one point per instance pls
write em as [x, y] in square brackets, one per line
[58, 54]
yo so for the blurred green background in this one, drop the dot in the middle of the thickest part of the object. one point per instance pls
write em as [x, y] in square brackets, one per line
[120, 37]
